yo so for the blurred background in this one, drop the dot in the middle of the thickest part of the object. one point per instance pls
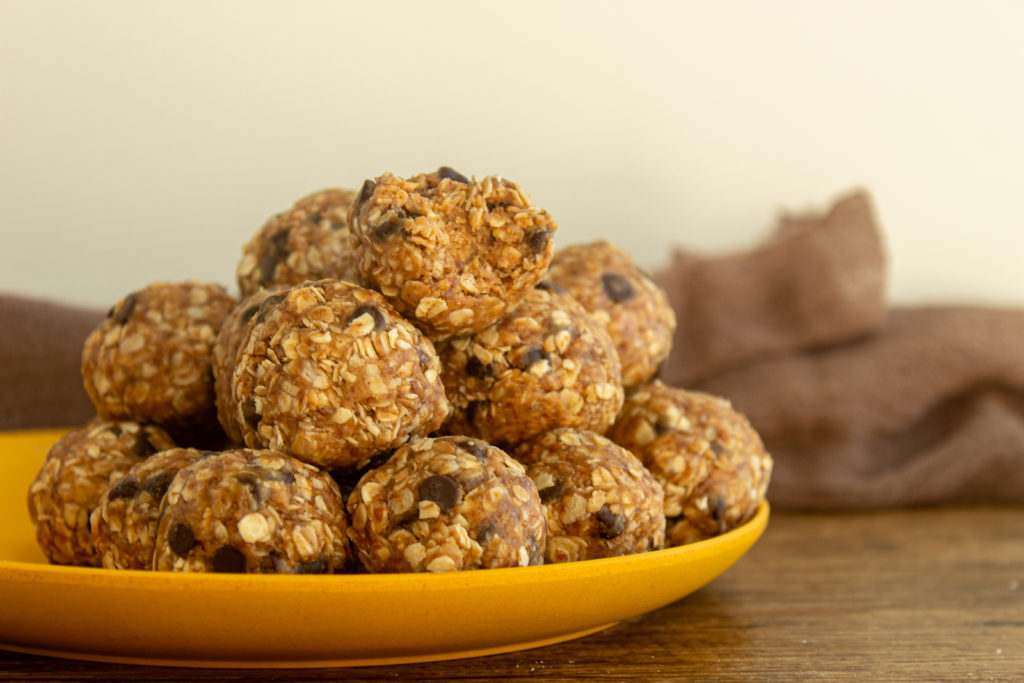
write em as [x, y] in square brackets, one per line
[144, 141]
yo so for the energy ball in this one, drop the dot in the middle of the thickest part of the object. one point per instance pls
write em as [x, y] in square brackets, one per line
[252, 511]
[447, 504]
[623, 298]
[598, 498]
[125, 520]
[333, 375]
[226, 348]
[706, 455]
[546, 364]
[78, 470]
[450, 253]
[150, 360]
[309, 241]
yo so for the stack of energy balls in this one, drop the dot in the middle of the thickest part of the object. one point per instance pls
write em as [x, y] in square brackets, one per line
[412, 380]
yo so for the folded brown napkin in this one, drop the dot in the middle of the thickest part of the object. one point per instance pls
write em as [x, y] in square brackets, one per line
[859, 404]
[40, 363]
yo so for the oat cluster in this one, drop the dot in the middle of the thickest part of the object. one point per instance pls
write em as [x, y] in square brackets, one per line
[411, 379]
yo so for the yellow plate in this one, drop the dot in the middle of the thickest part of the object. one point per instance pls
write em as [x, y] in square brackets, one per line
[227, 620]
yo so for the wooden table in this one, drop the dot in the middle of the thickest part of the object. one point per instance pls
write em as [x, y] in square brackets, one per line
[913, 595]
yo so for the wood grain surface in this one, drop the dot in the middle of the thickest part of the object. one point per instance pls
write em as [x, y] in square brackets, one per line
[931, 594]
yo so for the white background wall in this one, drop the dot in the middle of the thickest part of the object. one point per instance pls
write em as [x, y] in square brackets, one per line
[144, 141]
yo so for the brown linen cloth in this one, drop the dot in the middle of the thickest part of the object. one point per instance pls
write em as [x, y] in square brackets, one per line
[860, 406]
[40, 363]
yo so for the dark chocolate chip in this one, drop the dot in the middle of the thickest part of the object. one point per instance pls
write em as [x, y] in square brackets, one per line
[228, 559]
[549, 286]
[717, 509]
[317, 566]
[474, 368]
[249, 414]
[486, 531]
[275, 253]
[530, 356]
[122, 314]
[610, 524]
[393, 226]
[380, 322]
[142, 447]
[285, 475]
[126, 487]
[247, 315]
[538, 240]
[441, 489]
[550, 493]
[157, 485]
[717, 447]
[474, 446]
[365, 191]
[251, 481]
[475, 410]
[451, 174]
[491, 206]
[181, 539]
[617, 287]
[268, 303]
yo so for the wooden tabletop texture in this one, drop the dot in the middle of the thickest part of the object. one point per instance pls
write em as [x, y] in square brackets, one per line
[933, 594]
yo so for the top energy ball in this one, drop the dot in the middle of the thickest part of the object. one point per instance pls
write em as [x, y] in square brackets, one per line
[451, 254]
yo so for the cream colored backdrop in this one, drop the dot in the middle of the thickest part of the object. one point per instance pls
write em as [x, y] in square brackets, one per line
[144, 141]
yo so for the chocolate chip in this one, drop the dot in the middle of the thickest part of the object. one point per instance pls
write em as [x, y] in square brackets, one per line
[268, 303]
[441, 489]
[475, 410]
[126, 487]
[181, 539]
[228, 559]
[247, 315]
[275, 253]
[285, 475]
[157, 485]
[477, 448]
[549, 286]
[617, 287]
[425, 360]
[474, 368]
[530, 356]
[122, 314]
[393, 226]
[142, 447]
[486, 531]
[249, 414]
[717, 509]
[538, 240]
[717, 447]
[317, 566]
[380, 322]
[251, 481]
[610, 524]
[451, 174]
[550, 493]
[365, 191]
